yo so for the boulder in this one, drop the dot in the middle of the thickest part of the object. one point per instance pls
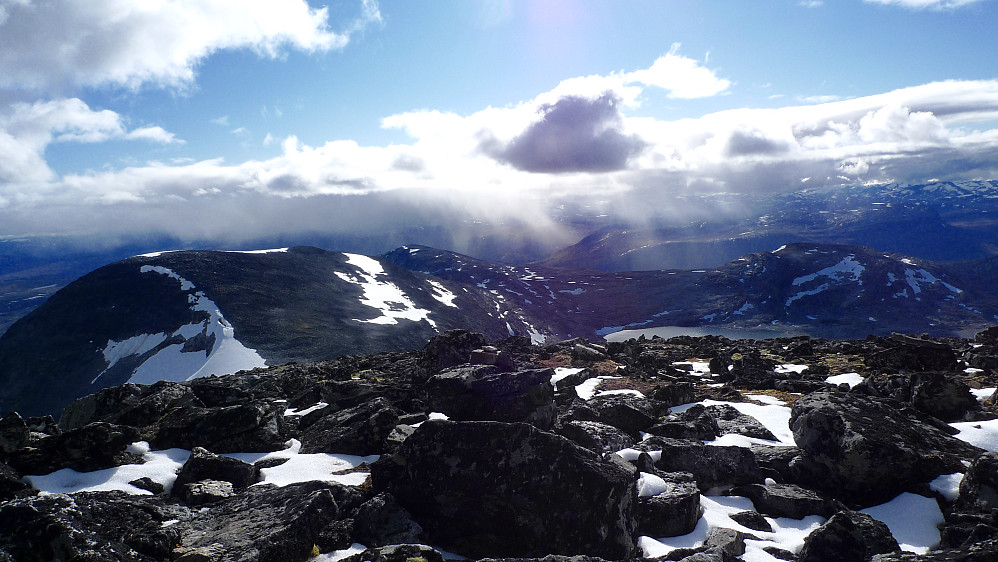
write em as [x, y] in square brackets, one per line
[849, 536]
[268, 523]
[203, 492]
[381, 521]
[596, 436]
[785, 500]
[14, 434]
[205, 465]
[942, 396]
[253, 427]
[696, 422]
[673, 511]
[92, 447]
[449, 349]
[361, 430]
[979, 487]
[730, 420]
[89, 526]
[711, 466]
[753, 520]
[129, 404]
[910, 354]
[627, 412]
[509, 489]
[865, 450]
[483, 393]
[11, 484]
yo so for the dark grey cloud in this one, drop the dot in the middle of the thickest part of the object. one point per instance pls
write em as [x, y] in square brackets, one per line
[574, 134]
[749, 143]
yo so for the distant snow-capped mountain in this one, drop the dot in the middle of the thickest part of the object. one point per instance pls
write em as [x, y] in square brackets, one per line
[187, 314]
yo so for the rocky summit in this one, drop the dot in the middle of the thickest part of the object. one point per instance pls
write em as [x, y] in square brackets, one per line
[691, 448]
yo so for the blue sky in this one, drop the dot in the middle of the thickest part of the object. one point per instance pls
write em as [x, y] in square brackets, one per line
[124, 117]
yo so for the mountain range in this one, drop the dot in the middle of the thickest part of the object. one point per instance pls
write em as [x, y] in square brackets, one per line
[187, 314]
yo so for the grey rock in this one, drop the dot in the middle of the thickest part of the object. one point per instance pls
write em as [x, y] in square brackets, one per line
[253, 427]
[361, 430]
[89, 526]
[730, 420]
[785, 500]
[942, 396]
[866, 450]
[712, 466]
[268, 523]
[381, 521]
[596, 436]
[627, 412]
[204, 492]
[753, 520]
[673, 512]
[501, 489]
[92, 447]
[484, 393]
[205, 465]
[849, 536]
[979, 487]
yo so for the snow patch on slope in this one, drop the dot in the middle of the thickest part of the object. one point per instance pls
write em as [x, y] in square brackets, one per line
[384, 296]
[846, 270]
[225, 355]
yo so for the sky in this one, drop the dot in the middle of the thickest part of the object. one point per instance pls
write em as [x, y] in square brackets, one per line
[234, 119]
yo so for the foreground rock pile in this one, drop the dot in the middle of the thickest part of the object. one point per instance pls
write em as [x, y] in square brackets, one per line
[501, 452]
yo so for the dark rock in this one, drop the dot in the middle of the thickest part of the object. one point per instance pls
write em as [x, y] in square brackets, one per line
[92, 447]
[985, 551]
[849, 536]
[88, 526]
[342, 395]
[449, 349]
[676, 393]
[627, 412]
[775, 460]
[13, 434]
[779, 553]
[911, 354]
[548, 558]
[253, 427]
[712, 466]
[728, 540]
[730, 420]
[398, 553]
[696, 422]
[753, 520]
[710, 555]
[361, 430]
[205, 465]
[673, 512]
[586, 353]
[596, 436]
[128, 404]
[148, 484]
[267, 523]
[204, 492]
[11, 484]
[498, 489]
[483, 393]
[941, 396]
[785, 500]
[382, 521]
[865, 450]
[979, 487]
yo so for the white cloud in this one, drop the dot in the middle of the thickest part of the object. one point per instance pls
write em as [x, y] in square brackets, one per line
[27, 129]
[455, 165]
[924, 4]
[681, 76]
[49, 45]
